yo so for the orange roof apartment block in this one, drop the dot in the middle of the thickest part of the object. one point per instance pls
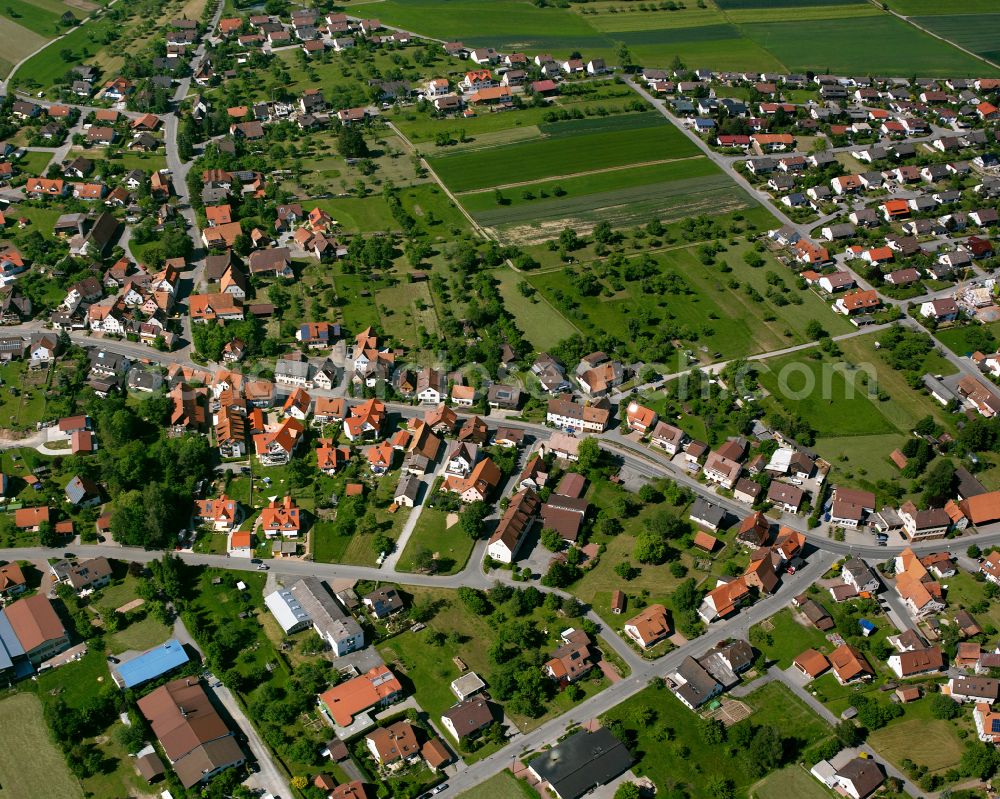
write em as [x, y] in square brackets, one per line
[377, 687]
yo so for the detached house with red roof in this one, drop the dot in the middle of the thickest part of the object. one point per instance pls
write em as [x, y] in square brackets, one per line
[275, 448]
[649, 627]
[639, 418]
[281, 518]
[222, 514]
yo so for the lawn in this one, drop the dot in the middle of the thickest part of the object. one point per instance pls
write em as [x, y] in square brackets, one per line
[327, 545]
[689, 301]
[76, 682]
[789, 639]
[775, 704]
[966, 339]
[34, 163]
[501, 786]
[685, 760]
[864, 44]
[140, 635]
[450, 546]
[30, 765]
[830, 395]
[569, 148]
[794, 780]
[541, 324]
[927, 742]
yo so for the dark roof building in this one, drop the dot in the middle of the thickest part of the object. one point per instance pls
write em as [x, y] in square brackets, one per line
[581, 763]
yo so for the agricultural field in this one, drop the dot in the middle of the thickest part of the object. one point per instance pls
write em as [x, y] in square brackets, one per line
[840, 35]
[921, 7]
[503, 24]
[31, 767]
[625, 169]
[979, 33]
[711, 311]
[567, 148]
[866, 44]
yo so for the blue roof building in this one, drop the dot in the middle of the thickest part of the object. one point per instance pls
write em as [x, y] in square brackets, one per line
[150, 665]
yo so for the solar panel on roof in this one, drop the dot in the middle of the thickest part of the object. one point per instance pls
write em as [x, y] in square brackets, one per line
[995, 725]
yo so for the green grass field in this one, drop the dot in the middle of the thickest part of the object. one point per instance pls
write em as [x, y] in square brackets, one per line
[35, 17]
[541, 324]
[927, 742]
[504, 24]
[502, 786]
[48, 66]
[966, 339]
[918, 7]
[451, 546]
[866, 44]
[731, 5]
[790, 639]
[30, 765]
[565, 152]
[833, 400]
[794, 780]
[979, 33]
[19, 42]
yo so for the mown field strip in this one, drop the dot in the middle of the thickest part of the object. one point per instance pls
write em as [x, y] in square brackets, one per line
[586, 173]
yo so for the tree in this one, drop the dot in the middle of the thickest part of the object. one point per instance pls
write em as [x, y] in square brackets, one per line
[938, 482]
[627, 790]
[551, 540]
[588, 454]
[943, 707]
[815, 330]
[764, 752]
[603, 234]
[650, 548]
[848, 734]
[351, 142]
[423, 560]
[382, 544]
[979, 760]
[711, 731]
[47, 535]
[472, 519]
